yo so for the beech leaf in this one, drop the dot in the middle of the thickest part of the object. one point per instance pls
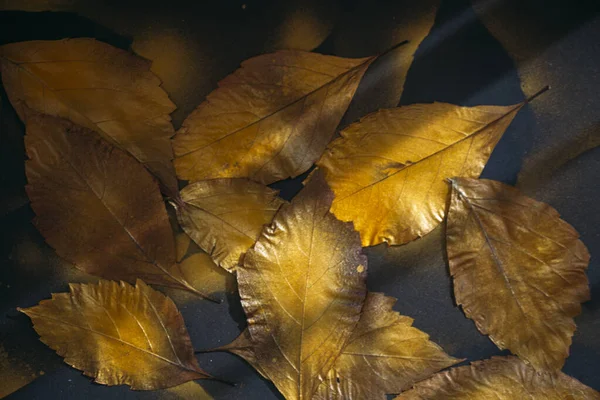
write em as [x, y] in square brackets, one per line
[387, 170]
[97, 206]
[499, 378]
[99, 87]
[518, 269]
[118, 334]
[225, 216]
[302, 287]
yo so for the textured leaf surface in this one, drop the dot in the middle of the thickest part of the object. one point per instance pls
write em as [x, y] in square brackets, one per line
[118, 334]
[97, 86]
[518, 269]
[302, 286]
[387, 171]
[225, 216]
[269, 120]
[97, 206]
[499, 378]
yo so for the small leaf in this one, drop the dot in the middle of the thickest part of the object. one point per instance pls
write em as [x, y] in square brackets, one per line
[518, 269]
[97, 206]
[225, 216]
[270, 119]
[118, 334]
[499, 378]
[99, 87]
[302, 286]
[387, 171]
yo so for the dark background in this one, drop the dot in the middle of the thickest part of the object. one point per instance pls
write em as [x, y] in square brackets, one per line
[480, 52]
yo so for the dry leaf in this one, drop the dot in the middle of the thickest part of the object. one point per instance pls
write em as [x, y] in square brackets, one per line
[387, 171]
[97, 86]
[270, 119]
[97, 206]
[205, 276]
[499, 378]
[302, 286]
[518, 269]
[225, 216]
[118, 334]
[182, 245]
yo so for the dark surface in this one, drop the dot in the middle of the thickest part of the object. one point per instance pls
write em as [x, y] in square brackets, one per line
[487, 54]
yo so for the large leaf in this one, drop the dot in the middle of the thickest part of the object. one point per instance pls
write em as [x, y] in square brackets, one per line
[97, 206]
[118, 334]
[518, 269]
[270, 119]
[499, 378]
[302, 286]
[225, 216]
[97, 86]
[387, 171]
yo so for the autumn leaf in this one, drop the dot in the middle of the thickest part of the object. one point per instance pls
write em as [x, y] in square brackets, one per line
[99, 87]
[384, 354]
[387, 171]
[302, 287]
[226, 216]
[97, 206]
[499, 378]
[518, 269]
[118, 334]
[269, 120]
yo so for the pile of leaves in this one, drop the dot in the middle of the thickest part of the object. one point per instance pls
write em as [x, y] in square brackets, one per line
[104, 160]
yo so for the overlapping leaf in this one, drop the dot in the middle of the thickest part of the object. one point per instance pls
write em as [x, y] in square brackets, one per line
[118, 334]
[302, 288]
[518, 269]
[499, 378]
[97, 86]
[387, 171]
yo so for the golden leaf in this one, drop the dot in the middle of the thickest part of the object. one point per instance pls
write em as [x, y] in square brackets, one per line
[302, 287]
[499, 378]
[385, 354]
[118, 334]
[518, 269]
[387, 171]
[269, 120]
[97, 206]
[225, 216]
[99, 87]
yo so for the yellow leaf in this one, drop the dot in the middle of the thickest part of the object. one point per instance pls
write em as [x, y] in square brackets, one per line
[387, 171]
[270, 119]
[204, 275]
[225, 216]
[182, 245]
[499, 378]
[97, 86]
[302, 287]
[118, 334]
[97, 206]
[518, 269]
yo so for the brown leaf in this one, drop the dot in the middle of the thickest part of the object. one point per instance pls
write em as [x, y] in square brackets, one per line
[302, 286]
[387, 171]
[518, 269]
[118, 334]
[99, 87]
[269, 120]
[97, 206]
[225, 216]
[499, 378]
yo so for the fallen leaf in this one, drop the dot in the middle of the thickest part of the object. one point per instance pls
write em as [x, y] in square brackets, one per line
[118, 334]
[97, 206]
[204, 275]
[499, 378]
[99, 87]
[182, 245]
[302, 287]
[387, 171]
[269, 120]
[225, 216]
[518, 269]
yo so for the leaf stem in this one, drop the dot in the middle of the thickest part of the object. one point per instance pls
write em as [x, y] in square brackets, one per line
[394, 47]
[536, 94]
